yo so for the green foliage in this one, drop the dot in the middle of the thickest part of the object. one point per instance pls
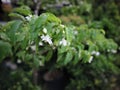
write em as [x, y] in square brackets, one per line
[5, 50]
[102, 14]
[34, 40]
[98, 14]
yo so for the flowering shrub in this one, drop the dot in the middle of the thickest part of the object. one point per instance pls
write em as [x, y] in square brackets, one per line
[34, 40]
[45, 33]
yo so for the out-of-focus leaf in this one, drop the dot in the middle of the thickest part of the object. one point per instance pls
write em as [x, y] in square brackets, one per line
[5, 50]
[68, 58]
[23, 10]
[3, 36]
[53, 18]
[21, 54]
[49, 55]
[85, 56]
[62, 49]
[69, 34]
[13, 28]
[16, 15]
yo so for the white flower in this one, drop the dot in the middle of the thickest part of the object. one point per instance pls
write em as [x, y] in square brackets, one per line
[63, 26]
[63, 42]
[108, 50]
[33, 47]
[114, 51]
[63, 31]
[90, 59]
[46, 38]
[19, 61]
[44, 30]
[41, 63]
[95, 53]
[75, 32]
[29, 17]
[40, 44]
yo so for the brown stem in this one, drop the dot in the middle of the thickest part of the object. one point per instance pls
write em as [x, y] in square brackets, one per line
[37, 6]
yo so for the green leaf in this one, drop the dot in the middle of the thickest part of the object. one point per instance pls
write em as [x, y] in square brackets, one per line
[92, 47]
[76, 59]
[46, 17]
[85, 56]
[69, 34]
[63, 49]
[23, 10]
[16, 15]
[28, 57]
[12, 28]
[83, 27]
[53, 18]
[78, 55]
[5, 50]
[68, 58]
[41, 20]
[102, 31]
[3, 36]
[49, 55]
[21, 54]
[20, 37]
[60, 60]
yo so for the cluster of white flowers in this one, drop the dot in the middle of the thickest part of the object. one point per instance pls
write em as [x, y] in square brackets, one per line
[90, 59]
[63, 42]
[95, 53]
[112, 50]
[47, 38]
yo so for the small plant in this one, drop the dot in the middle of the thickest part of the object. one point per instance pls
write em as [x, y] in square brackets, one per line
[44, 42]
